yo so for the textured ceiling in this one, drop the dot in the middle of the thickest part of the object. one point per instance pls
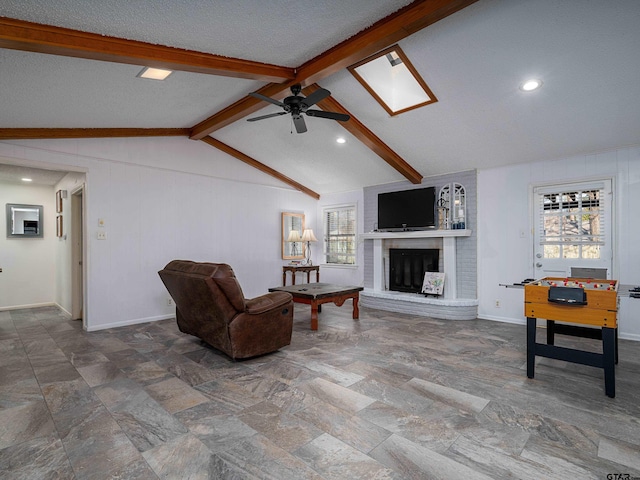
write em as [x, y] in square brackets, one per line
[585, 52]
[15, 174]
[280, 32]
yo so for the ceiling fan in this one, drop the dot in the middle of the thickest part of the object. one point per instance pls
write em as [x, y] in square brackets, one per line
[296, 105]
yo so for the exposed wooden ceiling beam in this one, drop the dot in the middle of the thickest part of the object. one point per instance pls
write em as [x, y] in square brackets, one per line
[367, 137]
[238, 110]
[16, 34]
[34, 37]
[260, 166]
[36, 133]
[386, 32]
[382, 34]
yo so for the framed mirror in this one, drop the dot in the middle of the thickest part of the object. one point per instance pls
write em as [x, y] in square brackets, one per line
[24, 221]
[292, 228]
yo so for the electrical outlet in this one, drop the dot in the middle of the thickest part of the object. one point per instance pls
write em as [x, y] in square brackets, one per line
[497, 303]
[170, 301]
[102, 235]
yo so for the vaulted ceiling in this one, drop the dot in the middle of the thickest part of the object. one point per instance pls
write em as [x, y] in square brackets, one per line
[68, 69]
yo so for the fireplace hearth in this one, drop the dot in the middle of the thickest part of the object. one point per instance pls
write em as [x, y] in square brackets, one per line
[407, 267]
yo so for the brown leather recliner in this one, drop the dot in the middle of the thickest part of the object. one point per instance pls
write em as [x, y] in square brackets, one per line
[211, 306]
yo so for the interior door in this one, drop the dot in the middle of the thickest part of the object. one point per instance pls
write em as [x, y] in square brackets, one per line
[77, 249]
[573, 228]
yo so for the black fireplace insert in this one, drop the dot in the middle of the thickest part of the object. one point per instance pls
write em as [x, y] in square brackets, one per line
[407, 267]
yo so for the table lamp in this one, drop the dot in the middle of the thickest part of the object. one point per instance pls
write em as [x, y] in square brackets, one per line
[308, 236]
[294, 238]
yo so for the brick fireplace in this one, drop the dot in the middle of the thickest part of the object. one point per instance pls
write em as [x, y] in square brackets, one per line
[380, 296]
[457, 255]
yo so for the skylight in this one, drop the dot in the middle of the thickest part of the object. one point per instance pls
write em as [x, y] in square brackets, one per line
[393, 81]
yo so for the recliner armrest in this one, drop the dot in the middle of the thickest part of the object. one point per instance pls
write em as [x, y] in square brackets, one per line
[267, 302]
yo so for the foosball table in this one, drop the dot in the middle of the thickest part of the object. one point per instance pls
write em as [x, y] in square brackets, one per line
[588, 308]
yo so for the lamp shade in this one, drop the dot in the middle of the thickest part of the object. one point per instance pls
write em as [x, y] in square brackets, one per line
[308, 236]
[294, 236]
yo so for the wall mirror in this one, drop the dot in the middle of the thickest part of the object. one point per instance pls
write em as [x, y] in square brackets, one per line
[292, 228]
[24, 220]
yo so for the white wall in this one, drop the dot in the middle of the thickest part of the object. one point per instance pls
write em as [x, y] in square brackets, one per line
[163, 199]
[28, 266]
[504, 210]
[172, 198]
[347, 274]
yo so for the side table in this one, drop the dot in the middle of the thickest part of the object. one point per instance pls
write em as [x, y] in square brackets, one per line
[299, 268]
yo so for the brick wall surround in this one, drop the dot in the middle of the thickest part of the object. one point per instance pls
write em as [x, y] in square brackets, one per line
[466, 247]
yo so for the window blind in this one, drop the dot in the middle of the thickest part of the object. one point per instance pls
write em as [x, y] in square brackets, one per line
[572, 221]
[340, 235]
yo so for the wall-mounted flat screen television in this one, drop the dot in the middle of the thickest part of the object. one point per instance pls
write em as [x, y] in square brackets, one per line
[407, 210]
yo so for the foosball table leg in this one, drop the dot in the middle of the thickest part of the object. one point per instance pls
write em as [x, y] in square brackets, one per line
[609, 360]
[551, 325]
[531, 346]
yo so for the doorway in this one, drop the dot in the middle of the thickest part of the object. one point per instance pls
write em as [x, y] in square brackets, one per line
[77, 255]
[573, 228]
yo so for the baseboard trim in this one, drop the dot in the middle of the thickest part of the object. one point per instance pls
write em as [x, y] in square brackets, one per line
[624, 336]
[629, 336]
[135, 321]
[33, 305]
[63, 309]
[516, 321]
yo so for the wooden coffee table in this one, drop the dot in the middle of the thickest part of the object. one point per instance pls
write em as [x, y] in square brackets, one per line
[315, 294]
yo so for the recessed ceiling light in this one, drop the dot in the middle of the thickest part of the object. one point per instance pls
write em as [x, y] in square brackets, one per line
[530, 85]
[341, 140]
[154, 73]
[27, 180]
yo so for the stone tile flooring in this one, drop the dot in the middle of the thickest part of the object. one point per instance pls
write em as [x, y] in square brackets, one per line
[387, 397]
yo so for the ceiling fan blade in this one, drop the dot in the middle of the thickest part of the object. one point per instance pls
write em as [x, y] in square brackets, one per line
[266, 99]
[298, 121]
[266, 116]
[341, 117]
[316, 96]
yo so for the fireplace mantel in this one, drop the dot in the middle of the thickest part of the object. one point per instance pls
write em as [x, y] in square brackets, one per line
[448, 251]
[416, 234]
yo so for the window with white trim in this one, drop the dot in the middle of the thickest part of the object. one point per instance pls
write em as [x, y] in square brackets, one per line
[340, 234]
[572, 223]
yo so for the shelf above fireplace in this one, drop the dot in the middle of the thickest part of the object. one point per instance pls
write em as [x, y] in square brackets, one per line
[416, 234]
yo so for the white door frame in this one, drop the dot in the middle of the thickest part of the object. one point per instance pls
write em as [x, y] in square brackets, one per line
[78, 255]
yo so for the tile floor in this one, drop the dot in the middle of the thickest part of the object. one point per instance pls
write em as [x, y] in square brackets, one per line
[387, 397]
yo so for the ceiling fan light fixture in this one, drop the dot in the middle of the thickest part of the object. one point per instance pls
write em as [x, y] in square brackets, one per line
[530, 85]
[296, 105]
[154, 73]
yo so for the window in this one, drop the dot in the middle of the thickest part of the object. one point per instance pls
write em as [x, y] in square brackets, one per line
[340, 235]
[572, 224]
